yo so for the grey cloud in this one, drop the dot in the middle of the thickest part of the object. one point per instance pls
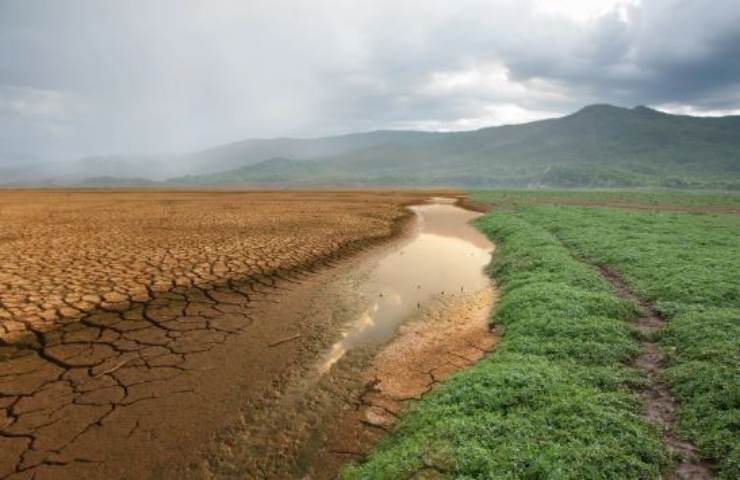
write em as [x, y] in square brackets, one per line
[176, 75]
[660, 51]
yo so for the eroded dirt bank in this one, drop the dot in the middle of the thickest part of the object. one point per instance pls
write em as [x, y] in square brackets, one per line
[222, 376]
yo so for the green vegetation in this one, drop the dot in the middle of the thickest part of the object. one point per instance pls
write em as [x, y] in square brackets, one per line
[645, 199]
[686, 264]
[598, 146]
[554, 400]
[704, 377]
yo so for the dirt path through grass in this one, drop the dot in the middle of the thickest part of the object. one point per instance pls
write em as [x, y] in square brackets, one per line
[683, 265]
[659, 403]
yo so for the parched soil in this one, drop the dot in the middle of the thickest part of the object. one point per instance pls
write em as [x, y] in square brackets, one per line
[64, 254]
[656, 395]
[122, 314]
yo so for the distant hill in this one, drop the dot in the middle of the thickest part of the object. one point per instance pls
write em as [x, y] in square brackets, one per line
[249, 152]
[236, 155]
[118, 182]
[598, 146]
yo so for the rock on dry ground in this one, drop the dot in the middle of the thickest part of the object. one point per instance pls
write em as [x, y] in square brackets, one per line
[110, 299]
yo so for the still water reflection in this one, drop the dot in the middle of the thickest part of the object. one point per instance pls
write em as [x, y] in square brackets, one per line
[444, 256]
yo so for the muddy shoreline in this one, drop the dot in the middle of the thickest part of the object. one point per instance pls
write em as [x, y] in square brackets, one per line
[131, 390]
[317, 420]
[105, 408]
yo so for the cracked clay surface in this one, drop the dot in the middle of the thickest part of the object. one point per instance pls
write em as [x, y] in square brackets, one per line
[121, 314]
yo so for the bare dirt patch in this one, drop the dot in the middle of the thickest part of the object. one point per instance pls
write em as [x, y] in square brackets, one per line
[656, 396]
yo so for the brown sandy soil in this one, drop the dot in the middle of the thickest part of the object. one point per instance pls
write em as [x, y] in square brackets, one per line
[656, 396]
[133, 324]
[452, 334]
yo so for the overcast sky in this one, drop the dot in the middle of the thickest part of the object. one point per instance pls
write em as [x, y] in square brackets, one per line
[80, 77]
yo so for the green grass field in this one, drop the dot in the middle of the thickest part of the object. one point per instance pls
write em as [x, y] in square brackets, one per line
[699, 201]
[556, 399]
[687, 266]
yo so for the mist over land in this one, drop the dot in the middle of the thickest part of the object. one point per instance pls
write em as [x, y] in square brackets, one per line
[92, 92]
[597, 146]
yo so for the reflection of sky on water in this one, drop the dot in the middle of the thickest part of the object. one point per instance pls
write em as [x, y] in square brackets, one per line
[445, 255]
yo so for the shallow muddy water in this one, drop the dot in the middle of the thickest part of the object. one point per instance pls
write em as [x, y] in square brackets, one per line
[444, 255]
[377, 331]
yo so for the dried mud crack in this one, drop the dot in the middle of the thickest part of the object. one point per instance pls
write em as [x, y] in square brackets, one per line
[116, 311]
[64, 391]
[656, 395]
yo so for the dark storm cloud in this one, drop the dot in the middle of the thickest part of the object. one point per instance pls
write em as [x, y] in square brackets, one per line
[84, 76]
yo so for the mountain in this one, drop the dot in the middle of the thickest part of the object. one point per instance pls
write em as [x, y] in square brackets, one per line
[598, 146]
[235, 155]
[249, 152]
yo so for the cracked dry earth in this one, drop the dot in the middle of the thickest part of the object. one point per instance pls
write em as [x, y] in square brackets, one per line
[122, 314]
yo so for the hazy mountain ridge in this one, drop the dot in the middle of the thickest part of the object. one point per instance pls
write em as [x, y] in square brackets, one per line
[249, 152]
[236, 155]
[600, 145]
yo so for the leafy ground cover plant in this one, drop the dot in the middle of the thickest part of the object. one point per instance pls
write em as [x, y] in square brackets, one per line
[698, 201]
[686, 264]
